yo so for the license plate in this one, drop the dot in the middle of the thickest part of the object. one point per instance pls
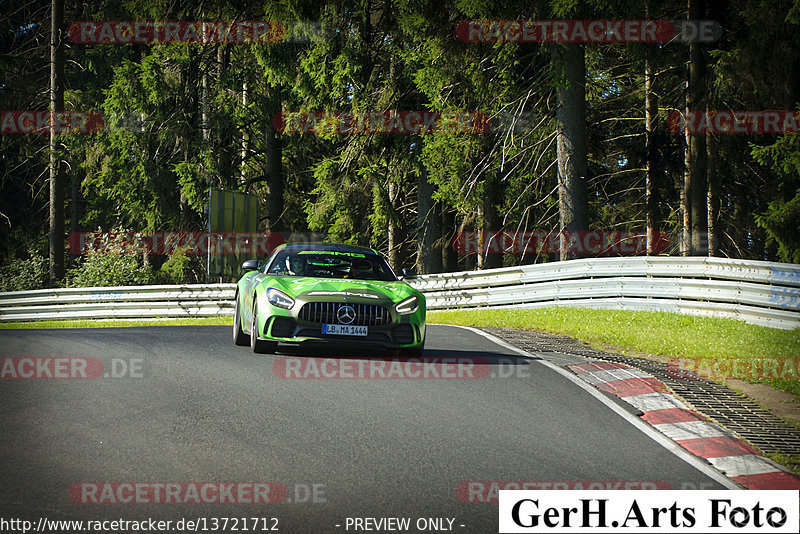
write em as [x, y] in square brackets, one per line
[344, 329]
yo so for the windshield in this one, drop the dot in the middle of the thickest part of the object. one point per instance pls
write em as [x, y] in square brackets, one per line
[331, 264]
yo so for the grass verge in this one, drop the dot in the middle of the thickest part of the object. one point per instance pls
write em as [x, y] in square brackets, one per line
[111, 323]
[791, 462]
[706, 339]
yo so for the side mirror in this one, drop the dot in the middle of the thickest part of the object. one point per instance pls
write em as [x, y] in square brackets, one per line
[250, 265]
[407, 273]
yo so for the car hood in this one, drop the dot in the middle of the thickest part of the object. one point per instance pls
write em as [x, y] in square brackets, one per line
[326, 288]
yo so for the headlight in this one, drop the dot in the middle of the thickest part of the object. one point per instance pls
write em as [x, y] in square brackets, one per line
[407, 306]
[279, 298]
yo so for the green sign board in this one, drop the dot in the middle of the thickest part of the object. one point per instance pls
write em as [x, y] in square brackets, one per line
[229, 212]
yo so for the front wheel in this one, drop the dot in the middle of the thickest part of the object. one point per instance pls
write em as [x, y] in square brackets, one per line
[239, 337]
[259, 346]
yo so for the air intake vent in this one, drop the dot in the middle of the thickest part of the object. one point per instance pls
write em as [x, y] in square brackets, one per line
[403, 335]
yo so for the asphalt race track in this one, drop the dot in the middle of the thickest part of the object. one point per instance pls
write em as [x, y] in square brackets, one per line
[188, 406]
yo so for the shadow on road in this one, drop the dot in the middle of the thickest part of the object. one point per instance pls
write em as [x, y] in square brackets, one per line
[309, 350]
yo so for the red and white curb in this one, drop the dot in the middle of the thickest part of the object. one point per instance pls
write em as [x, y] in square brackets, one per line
[729, 454]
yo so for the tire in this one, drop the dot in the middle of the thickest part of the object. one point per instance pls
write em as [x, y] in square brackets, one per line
[239, 337]
[259, 346]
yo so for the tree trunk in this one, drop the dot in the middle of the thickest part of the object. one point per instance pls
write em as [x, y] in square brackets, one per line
[697, 141]
[73, 214]
[244, 141]
[449, 253]
[686, 190]
[572, 171]
[205, 123]
[490, 224]
[205, 108]
[224, 137]
[713, 196]
[393, 256]
[439, 243]
[56, 169]
[651, 151]
[273, 168]
[429, 228]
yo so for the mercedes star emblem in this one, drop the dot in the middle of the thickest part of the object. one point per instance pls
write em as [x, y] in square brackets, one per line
[346, 314]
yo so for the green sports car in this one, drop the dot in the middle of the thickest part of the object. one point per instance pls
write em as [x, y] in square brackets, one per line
[327, 293]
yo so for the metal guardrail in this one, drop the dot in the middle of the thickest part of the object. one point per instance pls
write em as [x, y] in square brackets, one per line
[129, 302]
[758, 292]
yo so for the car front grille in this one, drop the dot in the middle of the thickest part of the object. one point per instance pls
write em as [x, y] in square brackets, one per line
[326, 313]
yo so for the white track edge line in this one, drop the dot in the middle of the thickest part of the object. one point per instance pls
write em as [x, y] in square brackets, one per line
[645, 428]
